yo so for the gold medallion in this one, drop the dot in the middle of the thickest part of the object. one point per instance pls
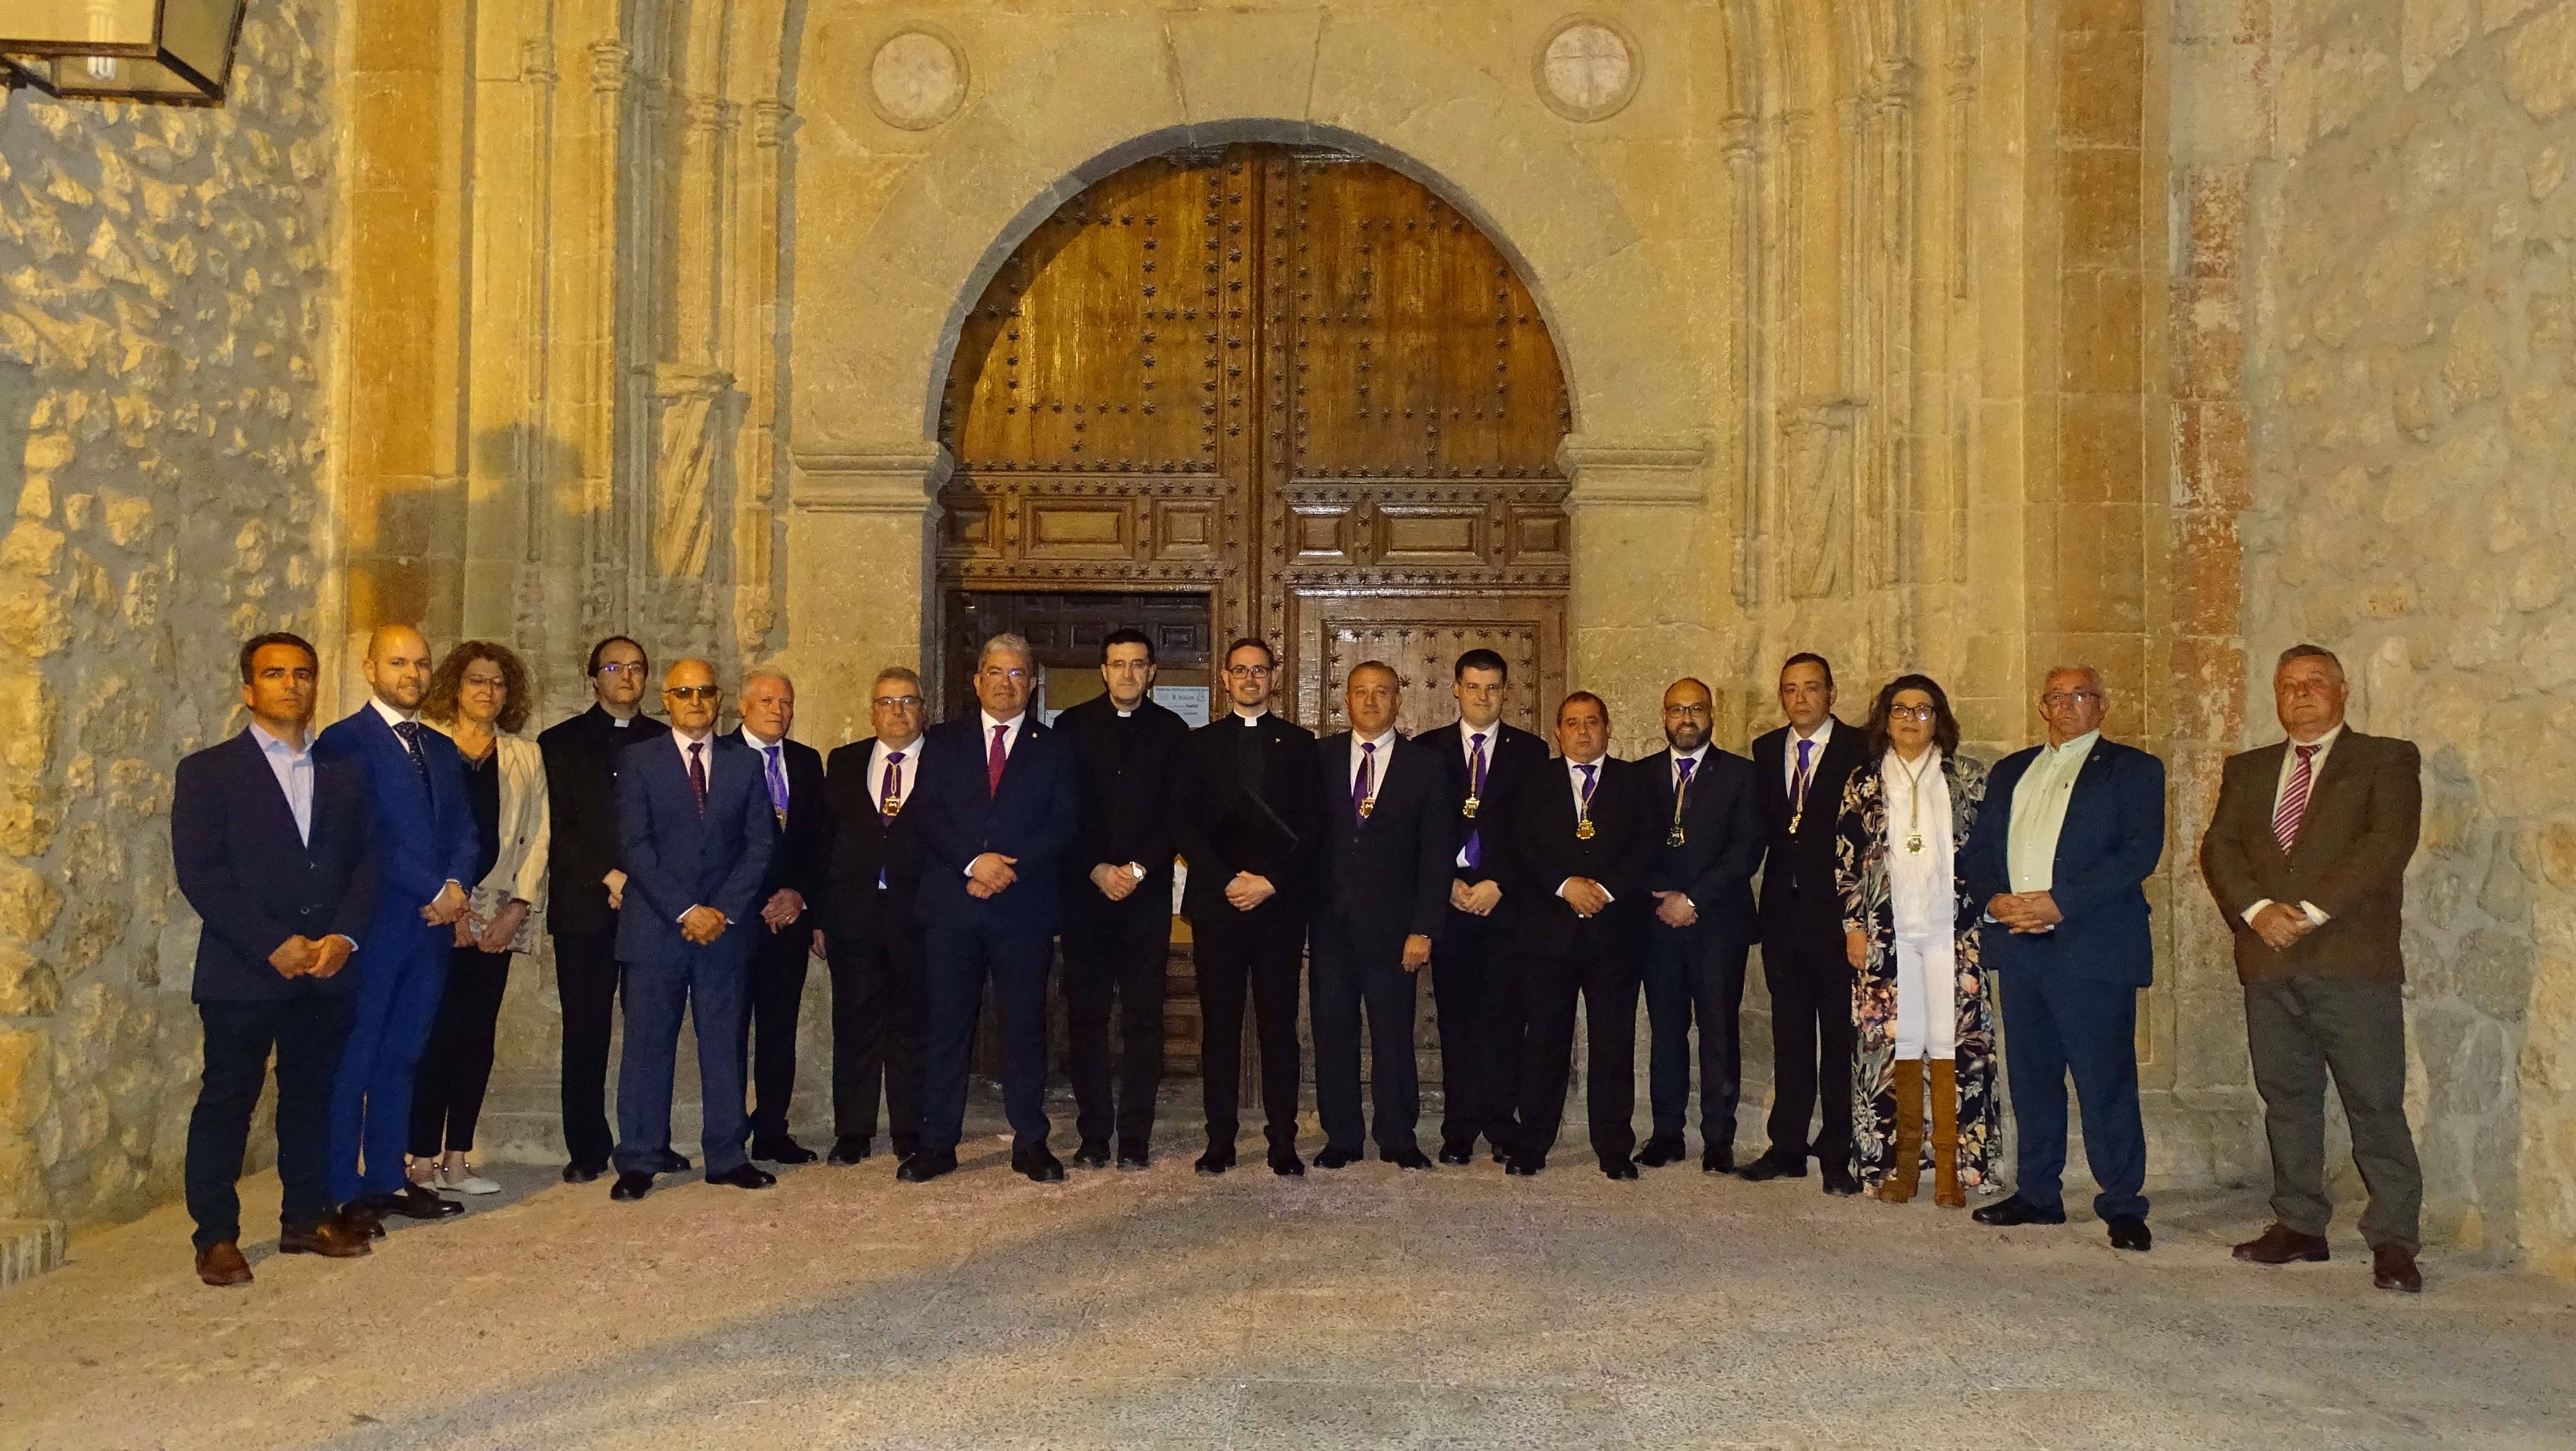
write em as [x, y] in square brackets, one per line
[893, 807]
[1794, 818]
[1583, 829]
[781, 813]
[1914, 842]
[1467, 808]
[1367, 805]
[1673, 837]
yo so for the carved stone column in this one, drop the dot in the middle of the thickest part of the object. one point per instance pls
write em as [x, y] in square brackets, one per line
[1645, 579]
[859, 541]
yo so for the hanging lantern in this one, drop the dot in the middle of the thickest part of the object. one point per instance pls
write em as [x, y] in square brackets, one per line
[176, 51]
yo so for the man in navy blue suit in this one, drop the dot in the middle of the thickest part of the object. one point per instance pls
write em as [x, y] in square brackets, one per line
[424, 836]
[2060, 855]
[997, 802]
[272, 851]
[695, 831]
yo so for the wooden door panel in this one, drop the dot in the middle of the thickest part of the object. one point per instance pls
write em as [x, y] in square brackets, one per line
[1422, 636]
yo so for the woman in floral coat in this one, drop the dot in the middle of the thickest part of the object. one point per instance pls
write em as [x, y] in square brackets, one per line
[1922, 1011]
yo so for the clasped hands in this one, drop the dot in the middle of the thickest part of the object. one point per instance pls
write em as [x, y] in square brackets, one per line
[989, 874]
[1587, 897]
[2025, 912]
[446, 907]
[301, 956]
[1115, 882]
[495, 935]
[1674, 909]
[1478, 900]
[2281, 926]
[1247, 891]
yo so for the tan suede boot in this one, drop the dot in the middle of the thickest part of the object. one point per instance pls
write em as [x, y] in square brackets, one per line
[1945, 1136]
[1905, 1156]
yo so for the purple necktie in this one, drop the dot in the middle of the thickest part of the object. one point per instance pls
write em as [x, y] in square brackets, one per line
[1366, 785]
[1585, 805]
[777, 775]
[1473, 853]
[1798, 787]
[890, 799]
[698, 774]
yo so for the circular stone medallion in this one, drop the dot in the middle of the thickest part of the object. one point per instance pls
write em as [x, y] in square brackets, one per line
[918, 78]
[1587, 69]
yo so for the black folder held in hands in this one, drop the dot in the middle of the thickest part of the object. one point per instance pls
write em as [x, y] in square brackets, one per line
[1261, 842]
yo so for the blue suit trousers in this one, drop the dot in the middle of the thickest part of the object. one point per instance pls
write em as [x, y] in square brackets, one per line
[712, 984]
[402, 974]
[2057, 1026]
[956, 959]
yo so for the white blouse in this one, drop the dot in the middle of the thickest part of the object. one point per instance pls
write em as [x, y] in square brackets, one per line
[1919, 883]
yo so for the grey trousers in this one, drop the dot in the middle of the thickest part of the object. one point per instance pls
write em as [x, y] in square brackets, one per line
[2300, 1029]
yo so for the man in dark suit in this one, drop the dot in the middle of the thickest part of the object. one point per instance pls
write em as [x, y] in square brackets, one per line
[272, 850]
[2060, 855]
[790, 907]
[1799, 774]
[584, 887]
[998, 803]
[1249, 824]
[874, 942]
[2306, 855]
[1472, 984]
[1702, 887]
[1382, 897]
[1584, 834]
[696, 833]
[1118, 898]
[424, 831]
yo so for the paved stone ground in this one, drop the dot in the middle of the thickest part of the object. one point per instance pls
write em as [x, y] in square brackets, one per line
[1365, 1308]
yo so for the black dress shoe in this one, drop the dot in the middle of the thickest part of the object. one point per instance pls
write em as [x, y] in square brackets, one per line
[1134, 1154]
[674, 1163]
[1773, 1165]
[1616, 1166]
[1717, 1159]
[927, 1165]
[1094, 1154]
[2129, 1231]
[905, 1146]
[415, 1201]
[1500, 1157]
[1406, 1158]
[1217, 1159]
[1458, 1151]
[578, 1172]
[745, 1175]
[630, 1186]
[364, 1214]
[1040, 1166]
[1333, 1158]
[1838, 1180]
[782, 1150]
[1286, 1164]
[849, 1150]
[2013, 1209]
[1660, 1151]
[1525, 1165]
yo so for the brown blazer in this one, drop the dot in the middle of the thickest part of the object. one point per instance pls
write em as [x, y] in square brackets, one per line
[2349, 859]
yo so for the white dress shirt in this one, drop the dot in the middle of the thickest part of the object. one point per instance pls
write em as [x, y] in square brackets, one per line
[2039, 812]
[1815, 758]
[906, 771]
[393, 717]
[1493, 735]
[767, 749]
[293, 767]
[1919, 883]
[1696, 758]
[680, 739]
[1010, 733]
[2280, 785]
[1582, 806]
[1377, 769]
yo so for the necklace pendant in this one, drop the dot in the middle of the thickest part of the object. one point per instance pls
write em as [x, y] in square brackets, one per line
[893, 807]
[1914, 842]
[1673, 837]
[1583, 829]
[1467, 808]
[1367, 805]
[1794, 818]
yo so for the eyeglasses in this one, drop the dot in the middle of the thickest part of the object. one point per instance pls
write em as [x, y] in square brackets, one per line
[995, 673]
[691, 692]
[898, 702]
[1247, 672]
[1686, 710]
[1912, 712]
[2056, 698]
[622, 667]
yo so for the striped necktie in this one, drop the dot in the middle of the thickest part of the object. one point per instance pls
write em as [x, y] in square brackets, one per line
[2294, 799]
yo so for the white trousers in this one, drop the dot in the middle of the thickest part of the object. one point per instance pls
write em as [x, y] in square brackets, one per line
[1927, 996]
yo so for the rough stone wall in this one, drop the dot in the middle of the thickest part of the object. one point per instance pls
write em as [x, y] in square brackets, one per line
[163, 307]
[2412, 372]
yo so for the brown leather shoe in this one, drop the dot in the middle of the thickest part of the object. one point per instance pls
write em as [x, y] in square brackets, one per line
[2282, 1245]
[2392, 1267]
[332, 1237]
[222, 1264]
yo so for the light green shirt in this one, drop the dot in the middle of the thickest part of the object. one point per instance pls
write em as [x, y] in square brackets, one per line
[2039, 812]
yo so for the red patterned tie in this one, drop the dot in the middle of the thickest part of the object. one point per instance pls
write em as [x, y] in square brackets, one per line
[2294, 800]
[994, 760]
[698, 774]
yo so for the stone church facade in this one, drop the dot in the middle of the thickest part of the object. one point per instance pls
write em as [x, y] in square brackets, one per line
[1963, 335]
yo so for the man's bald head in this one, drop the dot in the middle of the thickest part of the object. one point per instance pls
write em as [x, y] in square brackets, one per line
[397, 666]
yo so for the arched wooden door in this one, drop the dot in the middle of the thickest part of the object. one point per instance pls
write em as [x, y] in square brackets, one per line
[1291, 382]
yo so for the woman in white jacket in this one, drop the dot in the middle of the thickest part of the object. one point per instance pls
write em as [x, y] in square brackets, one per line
[479, 697]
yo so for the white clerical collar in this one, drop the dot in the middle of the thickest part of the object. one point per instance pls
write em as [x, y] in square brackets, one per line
[1252, 716]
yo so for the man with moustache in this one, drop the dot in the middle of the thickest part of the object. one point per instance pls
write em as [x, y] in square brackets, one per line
[1383, 877]
[790, 909]
[424, 832]
[1473, 988]
[271, 848]
[584, 888]
[1702, 886]
[1800, 771]
[999, 800]
[874, 943]
[1249, 822]
[696, 831]
[1118, 898]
